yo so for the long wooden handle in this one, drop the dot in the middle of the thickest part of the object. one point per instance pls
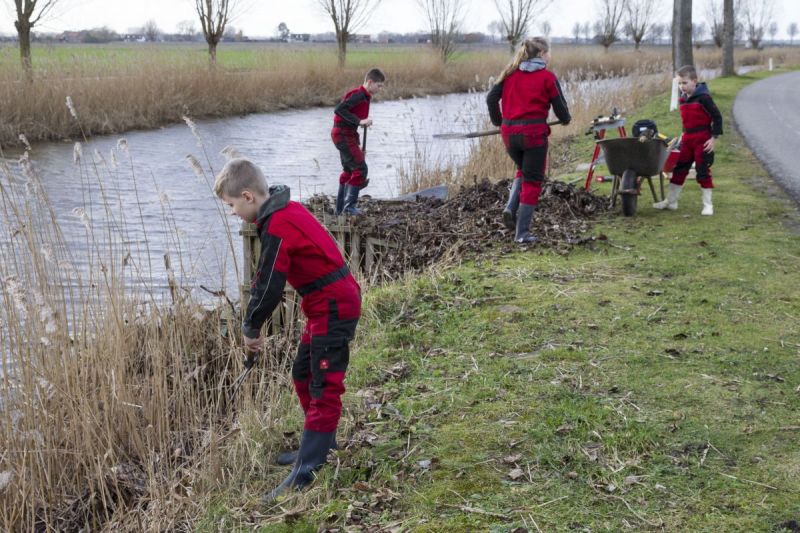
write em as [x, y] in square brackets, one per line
[473, 134]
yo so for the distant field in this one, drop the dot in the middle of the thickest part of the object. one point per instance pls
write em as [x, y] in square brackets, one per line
[239, 56]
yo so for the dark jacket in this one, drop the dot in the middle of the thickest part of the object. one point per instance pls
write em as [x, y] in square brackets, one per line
[353, 108]
[699, 114]
[296, 248]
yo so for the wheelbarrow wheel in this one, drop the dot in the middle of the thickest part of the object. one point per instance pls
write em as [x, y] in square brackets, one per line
[629, 192]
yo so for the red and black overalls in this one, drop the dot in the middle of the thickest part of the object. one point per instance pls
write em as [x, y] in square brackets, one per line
[296, 248]
[353, 108]
[701, 120]
[520, 104]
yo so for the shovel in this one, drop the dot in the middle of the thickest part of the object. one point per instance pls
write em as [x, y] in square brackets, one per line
[473, 134]
[364, 142]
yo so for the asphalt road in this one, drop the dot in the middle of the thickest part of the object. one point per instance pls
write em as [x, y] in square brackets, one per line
[767, 113]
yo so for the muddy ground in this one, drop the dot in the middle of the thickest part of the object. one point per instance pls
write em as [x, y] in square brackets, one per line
[469, 223]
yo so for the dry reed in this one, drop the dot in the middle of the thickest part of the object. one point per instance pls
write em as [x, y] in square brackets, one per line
[121, 88]
[114, 400]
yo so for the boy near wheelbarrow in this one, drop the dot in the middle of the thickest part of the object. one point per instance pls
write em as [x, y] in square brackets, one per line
[702, 124]
[297, 249]
[349, 114]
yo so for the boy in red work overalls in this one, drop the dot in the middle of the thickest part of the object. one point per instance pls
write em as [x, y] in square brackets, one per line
[349, 114]
[519, 103]
[702, 124]
[296, 248]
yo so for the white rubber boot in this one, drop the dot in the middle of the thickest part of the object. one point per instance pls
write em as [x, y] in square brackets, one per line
[708, 208]
[672, 198]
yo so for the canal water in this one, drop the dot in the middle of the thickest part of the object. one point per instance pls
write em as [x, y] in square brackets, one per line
[145, 193]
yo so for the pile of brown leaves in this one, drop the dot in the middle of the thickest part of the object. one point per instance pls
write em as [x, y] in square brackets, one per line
[469, 224]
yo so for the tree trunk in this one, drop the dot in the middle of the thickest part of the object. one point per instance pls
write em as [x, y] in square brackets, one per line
[24, 33]
[212, 54]
[727, 38]
[682, 34]
[342, 54]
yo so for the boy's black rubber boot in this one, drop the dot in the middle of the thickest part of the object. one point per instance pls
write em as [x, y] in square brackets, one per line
[289, 457]
[350, 201]
[314, 446]
[340, 199]
[510, 212]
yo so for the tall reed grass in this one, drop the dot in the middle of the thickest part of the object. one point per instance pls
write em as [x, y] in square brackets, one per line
[114, 398]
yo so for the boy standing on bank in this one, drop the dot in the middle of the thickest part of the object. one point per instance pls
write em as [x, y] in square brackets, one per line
[702, 124]
[349, 114]
[296, 248]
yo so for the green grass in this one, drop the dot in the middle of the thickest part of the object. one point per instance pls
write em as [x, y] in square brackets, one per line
[237, 56]
[649, 382]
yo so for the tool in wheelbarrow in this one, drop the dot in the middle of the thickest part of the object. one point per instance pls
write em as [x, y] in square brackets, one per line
[598, 127]
[473, 134]
[631, 161]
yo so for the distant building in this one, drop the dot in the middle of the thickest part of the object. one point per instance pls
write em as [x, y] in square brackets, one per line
[299, 37]
[360, 38]
[71, 37]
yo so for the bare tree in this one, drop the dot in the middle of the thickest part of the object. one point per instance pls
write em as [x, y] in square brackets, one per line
[607, 27]
[756, 15]
[639, 18]
[29, 13]
[283, 32]
[444, 22]
[187, 30]
[576, 31]
[347, 16]
[586, 29]
[151, 31]
[714, 19]
[682, 34]
[728, 33]
[792, 31]
[495, 28]
[214, 16]
[698, 32]
[657, 32]
[773, 31]
[517, 16]
[547, 28]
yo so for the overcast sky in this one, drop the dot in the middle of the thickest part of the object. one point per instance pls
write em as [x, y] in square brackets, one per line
[260, 18]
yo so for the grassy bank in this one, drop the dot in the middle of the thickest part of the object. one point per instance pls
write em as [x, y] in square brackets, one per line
[646, 382]
[123, 87]
[649, 382]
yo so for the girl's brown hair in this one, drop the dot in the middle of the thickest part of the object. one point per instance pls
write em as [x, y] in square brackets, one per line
[529, 49]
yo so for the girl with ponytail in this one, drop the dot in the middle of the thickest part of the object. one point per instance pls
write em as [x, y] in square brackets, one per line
[519, 102]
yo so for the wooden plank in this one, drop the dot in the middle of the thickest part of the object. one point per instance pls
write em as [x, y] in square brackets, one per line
[355, 251]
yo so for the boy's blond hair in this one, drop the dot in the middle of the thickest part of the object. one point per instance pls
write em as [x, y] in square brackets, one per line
[238, 175]
[687, 71]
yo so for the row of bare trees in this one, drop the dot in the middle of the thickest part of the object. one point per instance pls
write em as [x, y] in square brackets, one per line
[636, 18]
[214, 16]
